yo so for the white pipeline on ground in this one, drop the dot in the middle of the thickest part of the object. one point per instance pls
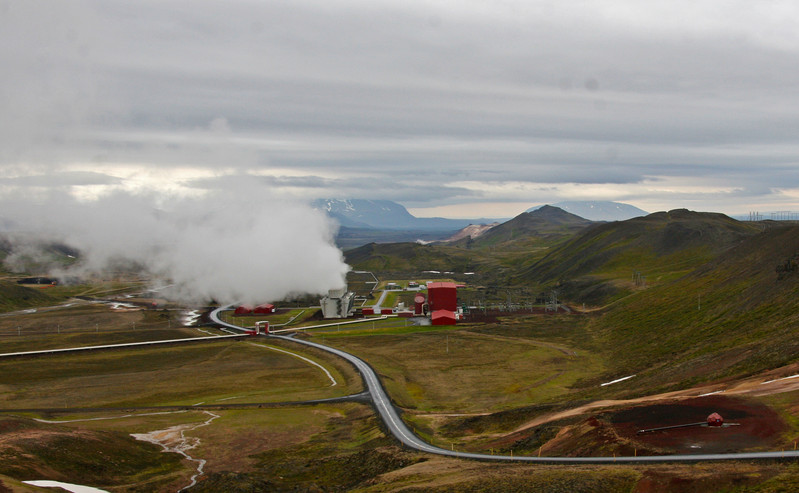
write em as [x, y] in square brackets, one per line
[73, 488]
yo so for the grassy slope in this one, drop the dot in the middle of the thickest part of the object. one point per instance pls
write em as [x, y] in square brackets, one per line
[722, 313]
[731, 317]
[518, 241]
[16, 297]
[463, 371]
[86, 325]
[34, 451]
[410, 257]
[545, 223]
[597, 265]
[177, 375]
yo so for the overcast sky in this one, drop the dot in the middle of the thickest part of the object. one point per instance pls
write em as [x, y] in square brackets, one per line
[451, 108]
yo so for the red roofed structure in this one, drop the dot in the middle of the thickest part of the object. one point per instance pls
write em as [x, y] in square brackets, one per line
[442, 296]
[264, 308]
[243, 310]
[443, 317]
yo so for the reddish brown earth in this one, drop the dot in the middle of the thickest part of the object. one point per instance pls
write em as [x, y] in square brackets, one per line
[758, 427]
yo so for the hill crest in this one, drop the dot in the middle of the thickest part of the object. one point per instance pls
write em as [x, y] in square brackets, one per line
[598, 210]
[602, 259]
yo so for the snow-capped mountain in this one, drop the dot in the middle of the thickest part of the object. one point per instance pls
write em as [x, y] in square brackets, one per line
[383, 214]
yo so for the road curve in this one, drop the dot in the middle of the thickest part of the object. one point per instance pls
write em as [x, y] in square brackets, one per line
[401, 432]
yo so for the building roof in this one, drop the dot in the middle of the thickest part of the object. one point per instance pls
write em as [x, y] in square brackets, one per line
[442, 285]
[446, 316]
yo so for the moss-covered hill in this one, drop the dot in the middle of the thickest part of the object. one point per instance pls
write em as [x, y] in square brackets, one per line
[15, 297]
[610, 260]
[102, 458]
[413, 258]
[493, 257]
[547, 223]
[733, 316]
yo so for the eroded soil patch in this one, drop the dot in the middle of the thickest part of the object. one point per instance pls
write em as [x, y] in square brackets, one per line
[759, 427]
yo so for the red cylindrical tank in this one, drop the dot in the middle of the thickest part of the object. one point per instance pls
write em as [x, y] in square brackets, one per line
[418, 301]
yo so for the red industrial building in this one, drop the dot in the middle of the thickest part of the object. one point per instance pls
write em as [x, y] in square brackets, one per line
[264, 308]
[442, 301]
[243, 310]
[441, 305]
[261, 309]
[442, 296]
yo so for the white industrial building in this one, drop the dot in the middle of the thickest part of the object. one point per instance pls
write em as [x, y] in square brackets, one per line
[338, 303]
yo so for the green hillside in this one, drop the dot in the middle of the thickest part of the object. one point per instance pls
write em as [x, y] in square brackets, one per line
[734, 316]
[714, 298]
[608, 261]
[547, 223]
[15, 297]
[413, 258]
[493, 257]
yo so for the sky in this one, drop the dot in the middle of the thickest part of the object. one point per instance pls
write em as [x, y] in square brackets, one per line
[458, 109]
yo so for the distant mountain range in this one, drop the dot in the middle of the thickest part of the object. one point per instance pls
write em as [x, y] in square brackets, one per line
[386, 215]
[365, 221]
[598, 210]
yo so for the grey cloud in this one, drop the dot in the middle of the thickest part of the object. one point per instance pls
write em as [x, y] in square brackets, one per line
[536, 92]
[61, 179]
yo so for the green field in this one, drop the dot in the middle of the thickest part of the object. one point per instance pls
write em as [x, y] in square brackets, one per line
[462, 371]
[176, 375]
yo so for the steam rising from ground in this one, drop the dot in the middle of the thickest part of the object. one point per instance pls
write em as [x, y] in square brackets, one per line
[245, 247]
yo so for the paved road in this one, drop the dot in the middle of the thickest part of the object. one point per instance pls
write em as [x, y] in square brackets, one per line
[401, 432]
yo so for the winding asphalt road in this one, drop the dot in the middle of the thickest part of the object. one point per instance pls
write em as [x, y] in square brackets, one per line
[401, 432]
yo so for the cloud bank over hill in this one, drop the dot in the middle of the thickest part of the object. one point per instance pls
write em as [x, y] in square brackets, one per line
[453, 109]
[249, 246]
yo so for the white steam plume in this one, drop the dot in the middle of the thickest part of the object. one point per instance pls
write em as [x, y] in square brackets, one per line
[251, 246]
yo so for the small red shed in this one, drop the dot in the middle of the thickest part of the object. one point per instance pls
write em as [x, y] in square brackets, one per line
[443, 317]
[264, 308]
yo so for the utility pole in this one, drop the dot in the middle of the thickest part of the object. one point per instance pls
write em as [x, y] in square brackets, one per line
[552, 305]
